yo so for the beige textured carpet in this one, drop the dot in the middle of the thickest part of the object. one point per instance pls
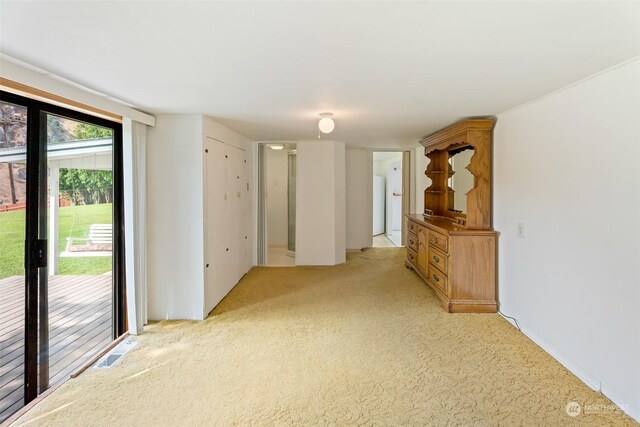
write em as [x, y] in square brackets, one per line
[365, 343]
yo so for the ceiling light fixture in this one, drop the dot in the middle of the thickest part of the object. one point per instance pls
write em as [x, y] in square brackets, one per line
[326, 124]
[276, 147]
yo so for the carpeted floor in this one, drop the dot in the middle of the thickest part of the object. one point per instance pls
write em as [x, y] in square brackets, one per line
[365, 343]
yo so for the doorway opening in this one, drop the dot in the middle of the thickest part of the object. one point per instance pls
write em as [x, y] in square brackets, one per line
[277, 204]
[390, 187]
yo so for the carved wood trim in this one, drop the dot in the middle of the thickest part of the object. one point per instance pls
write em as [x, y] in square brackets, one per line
[476, 133]
[457, 131]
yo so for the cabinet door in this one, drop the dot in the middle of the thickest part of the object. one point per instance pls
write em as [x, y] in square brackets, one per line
[246, 209]
[235, 253]
[215, 205]
[423, 245]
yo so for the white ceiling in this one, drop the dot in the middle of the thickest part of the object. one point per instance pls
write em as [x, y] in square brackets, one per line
[391, 72]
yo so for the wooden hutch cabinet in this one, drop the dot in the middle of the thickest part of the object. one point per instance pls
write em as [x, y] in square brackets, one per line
[452, 246]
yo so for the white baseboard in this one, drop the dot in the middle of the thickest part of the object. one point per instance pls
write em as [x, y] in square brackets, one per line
[585, 376]
[588, 378]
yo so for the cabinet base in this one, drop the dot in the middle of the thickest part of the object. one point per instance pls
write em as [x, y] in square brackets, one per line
[457, 306]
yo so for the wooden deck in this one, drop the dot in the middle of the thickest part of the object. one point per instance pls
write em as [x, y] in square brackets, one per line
[79, 326]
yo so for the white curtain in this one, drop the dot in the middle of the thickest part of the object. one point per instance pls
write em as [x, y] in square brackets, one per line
[134, 138]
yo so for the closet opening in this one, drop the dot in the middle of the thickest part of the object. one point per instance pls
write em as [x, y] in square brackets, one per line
[390, 198]
[277, 204]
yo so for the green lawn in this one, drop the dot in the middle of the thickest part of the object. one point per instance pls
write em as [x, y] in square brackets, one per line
[74, 222]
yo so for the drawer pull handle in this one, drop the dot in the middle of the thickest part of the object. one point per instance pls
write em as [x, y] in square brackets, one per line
[436, 278]
[436, 259]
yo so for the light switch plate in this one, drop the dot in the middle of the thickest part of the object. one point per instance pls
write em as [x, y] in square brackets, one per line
[520, 230]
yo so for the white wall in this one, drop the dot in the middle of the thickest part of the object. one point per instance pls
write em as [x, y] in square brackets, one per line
[320, 203]
[175, 223]
[277, 219]
[359, 198]
[340, 197]
[175, 218]
[566, 166]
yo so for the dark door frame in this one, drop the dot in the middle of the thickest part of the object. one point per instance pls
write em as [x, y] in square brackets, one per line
[36, 287]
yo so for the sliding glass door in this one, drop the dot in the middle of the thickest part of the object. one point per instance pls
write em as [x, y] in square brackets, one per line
[61, 259]
[13, 219]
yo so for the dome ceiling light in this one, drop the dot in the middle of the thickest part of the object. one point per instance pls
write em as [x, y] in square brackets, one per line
[326, 124]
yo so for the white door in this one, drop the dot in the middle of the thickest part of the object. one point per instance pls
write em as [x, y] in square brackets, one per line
[395, 182]
[227, 223]
[378, 204]
[216, 196]
[234, 221]
[246, 209]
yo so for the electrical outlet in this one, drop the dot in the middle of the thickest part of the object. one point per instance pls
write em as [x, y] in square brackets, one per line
[520, 230]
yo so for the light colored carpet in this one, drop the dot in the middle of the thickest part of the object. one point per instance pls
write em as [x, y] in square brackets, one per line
[365, 343]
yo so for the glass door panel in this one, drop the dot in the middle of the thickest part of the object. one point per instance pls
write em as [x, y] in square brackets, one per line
[79, 232]
[13, 176]
[61, 287]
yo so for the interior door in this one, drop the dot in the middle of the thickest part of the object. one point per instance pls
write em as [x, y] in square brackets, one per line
[246, 209]
[379, 203]
[396, 197]
[235, 230]
[226, 200]
[215, 213]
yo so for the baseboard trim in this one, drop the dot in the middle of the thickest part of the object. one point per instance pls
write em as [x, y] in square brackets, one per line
[584, 375]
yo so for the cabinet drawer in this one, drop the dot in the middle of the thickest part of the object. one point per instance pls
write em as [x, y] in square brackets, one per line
[438, 279]
[413, 227]
[438, 259]
[412, 241]
[439, 241]
[412, 256]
